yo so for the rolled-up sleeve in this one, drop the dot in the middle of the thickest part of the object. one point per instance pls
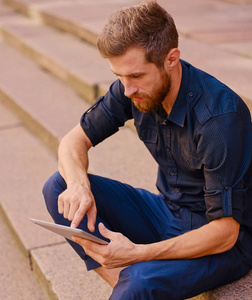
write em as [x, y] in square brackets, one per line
[108, 114]
[225, 149]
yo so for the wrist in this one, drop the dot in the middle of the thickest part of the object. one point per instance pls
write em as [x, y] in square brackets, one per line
[142, 252]
[81, 181]
[80, 184]
[75, 178]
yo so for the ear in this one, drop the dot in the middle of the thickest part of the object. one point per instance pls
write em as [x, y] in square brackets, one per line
[172, 59]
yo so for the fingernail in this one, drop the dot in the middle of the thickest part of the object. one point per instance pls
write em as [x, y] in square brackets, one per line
[102, 225]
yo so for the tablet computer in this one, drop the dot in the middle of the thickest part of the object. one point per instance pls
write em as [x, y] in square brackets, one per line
[68, 232]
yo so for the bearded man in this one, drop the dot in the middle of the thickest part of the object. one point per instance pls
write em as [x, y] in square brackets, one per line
[196, 234]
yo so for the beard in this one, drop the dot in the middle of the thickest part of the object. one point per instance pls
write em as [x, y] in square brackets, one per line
[154, 101]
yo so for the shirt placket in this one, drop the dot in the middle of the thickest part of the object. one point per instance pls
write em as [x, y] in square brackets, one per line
[172, 171]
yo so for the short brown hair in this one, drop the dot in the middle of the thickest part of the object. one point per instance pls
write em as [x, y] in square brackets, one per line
[146, 25]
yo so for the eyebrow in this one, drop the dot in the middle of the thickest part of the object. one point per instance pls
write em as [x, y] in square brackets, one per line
[129, 75]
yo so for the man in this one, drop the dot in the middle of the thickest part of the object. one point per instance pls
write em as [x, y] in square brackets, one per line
[196, 234]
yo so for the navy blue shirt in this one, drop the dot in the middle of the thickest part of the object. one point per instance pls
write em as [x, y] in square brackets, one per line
[203, 148]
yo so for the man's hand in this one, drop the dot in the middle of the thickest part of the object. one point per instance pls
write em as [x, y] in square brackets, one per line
[120, 252]
[75, 202]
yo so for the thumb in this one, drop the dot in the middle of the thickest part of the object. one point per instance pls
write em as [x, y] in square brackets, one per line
[104, 231]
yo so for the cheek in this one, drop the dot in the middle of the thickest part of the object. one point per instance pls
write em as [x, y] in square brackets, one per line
[147, 86]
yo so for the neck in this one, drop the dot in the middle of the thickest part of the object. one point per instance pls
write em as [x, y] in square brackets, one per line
[176, 76]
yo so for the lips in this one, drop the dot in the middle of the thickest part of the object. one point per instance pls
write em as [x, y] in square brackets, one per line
[138, 99]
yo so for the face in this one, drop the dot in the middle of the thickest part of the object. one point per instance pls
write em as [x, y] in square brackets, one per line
[144, 82]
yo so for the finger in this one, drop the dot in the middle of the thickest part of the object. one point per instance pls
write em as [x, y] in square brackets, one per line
[104, 231]
[92, 218]
[78, 216]
[81, 241]
[72, 211]
[60, 205]
[80, 213]
[92, 249]
[66, 210]
[89, 246]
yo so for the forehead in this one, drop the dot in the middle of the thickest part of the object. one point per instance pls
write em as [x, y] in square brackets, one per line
[132, 61]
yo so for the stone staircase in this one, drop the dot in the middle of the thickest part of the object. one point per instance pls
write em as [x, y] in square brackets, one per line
[51, 73]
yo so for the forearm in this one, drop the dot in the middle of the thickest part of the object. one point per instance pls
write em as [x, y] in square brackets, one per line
[77, 200]
[73, 157]
[215, 237]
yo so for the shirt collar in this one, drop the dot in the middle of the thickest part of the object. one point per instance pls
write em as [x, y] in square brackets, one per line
[178, 112]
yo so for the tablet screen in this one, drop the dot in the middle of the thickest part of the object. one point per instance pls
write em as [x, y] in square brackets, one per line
[68, 232]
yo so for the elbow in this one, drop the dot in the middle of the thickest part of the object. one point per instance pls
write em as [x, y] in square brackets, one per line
[227, 230]
[231, 242]
[234, 233]
[231, 233]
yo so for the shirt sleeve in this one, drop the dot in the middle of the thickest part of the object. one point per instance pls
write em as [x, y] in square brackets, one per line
[108, 113]
[225, 149]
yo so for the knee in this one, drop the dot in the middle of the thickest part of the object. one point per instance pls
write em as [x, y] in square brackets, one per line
[131, 286]
[53, 187]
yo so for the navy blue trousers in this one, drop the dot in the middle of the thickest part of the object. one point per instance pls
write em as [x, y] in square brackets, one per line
[146, 218]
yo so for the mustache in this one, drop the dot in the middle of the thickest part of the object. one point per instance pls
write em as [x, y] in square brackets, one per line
[138, 95]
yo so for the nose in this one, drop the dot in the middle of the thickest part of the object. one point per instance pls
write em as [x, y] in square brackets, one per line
[129, 87]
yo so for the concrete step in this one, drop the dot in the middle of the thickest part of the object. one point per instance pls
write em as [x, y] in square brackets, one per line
[81, 18]
[73, 61]
[16, 277]
[211, 20]
[27, 164]
[239, 1]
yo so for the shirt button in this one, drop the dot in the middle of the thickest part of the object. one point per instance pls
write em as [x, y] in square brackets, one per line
[172, 173]
[190, 94]
[177, 190]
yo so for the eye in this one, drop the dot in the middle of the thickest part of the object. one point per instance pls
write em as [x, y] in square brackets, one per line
[136, 75]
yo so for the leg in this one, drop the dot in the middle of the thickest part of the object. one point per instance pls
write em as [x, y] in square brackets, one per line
[117, 203]
[111, 276]
[150, 221]
[179, 279]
